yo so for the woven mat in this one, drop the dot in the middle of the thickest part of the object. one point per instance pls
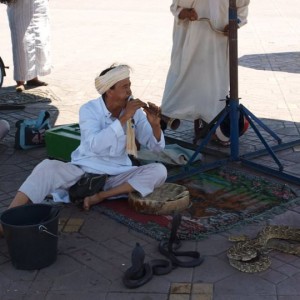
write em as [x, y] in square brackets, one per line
[29, 96]
[220, 199]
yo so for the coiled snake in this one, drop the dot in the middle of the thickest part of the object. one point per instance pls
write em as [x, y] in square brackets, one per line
[251, 255]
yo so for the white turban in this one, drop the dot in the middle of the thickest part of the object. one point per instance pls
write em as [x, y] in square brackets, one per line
[105, 82]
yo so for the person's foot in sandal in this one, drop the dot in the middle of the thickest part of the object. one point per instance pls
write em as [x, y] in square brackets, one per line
[36, 82]
[20, 87]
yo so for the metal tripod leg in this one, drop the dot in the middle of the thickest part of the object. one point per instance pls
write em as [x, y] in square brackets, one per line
[268, 148]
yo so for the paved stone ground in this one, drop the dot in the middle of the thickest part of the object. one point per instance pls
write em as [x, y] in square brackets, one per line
[88, 36]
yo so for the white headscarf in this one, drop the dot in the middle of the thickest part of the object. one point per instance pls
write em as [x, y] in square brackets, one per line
[105, 82]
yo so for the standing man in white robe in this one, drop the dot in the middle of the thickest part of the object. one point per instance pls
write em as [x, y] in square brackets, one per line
[199, 72]
[30, 36]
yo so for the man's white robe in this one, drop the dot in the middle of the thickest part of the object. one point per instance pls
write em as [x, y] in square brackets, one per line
[199, 72]
[30, 35]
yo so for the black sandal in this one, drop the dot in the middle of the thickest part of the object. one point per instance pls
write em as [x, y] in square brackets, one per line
[36, 83]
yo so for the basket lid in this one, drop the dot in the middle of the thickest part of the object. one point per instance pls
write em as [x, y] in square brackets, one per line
[166, 199]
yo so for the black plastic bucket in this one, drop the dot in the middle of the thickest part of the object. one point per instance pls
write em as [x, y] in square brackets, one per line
[30, 232]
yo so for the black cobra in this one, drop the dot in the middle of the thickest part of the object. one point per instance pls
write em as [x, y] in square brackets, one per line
[140, 273]
[170, 248]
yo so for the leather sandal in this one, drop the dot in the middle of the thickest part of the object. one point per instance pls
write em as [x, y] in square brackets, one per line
[20, 88]
[36, 83]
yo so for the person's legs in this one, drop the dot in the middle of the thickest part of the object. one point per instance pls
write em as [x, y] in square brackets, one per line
[143, 179]
[48, 176]
[124, 188]
[20, 199]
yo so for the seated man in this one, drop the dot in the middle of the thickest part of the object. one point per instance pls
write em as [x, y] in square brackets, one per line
[103, 146]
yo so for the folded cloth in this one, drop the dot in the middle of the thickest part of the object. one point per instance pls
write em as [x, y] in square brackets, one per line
[60, 195]
[173, 154]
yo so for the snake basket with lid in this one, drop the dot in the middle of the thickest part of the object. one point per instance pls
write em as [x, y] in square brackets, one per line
[167, 199]
[30, 232]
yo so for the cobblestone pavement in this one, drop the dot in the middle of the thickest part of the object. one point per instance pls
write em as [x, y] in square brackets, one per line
[94, 250]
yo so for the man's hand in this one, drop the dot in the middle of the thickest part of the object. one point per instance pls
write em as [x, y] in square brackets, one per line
[153, 114]
[226, 30]
[131, 107]
[188, 13]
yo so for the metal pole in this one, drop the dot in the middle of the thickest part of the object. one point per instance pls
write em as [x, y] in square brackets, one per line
[233, 75]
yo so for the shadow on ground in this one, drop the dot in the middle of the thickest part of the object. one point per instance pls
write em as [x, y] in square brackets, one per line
[283, 62]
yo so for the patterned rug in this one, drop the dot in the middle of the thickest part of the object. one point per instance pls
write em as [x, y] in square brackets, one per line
[35, 95]
[220, 199]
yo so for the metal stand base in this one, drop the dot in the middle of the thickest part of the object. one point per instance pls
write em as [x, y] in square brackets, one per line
[254, 122]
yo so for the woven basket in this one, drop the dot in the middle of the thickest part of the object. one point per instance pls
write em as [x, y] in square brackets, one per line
[167, 199]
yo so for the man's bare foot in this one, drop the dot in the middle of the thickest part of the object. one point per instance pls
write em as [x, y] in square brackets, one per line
[92, 200]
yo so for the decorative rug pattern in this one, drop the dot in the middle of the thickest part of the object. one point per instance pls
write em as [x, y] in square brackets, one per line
[29, 96]
[220, 199]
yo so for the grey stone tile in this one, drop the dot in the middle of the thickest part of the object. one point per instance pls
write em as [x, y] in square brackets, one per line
[288, 218]
[204, 272]
[35, 296]
[81, 280]
[14, 274]
[100, 266]
[63, 265]
[104, 252]
[117, 246]
[158, 284]
[76, 295]
[9, 295]
[296, 209]
[290, 286]
[213, 245]
[180, 275]
[102, 228]
[244, 297]
[296, 263]
[248, 284]
[69, 242]
[285, 257]
[40, 286]
[19, 287]
[136, 296]
[288, 270]
[273, 276]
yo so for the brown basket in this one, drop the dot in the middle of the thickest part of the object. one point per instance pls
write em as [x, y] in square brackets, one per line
[167, 199]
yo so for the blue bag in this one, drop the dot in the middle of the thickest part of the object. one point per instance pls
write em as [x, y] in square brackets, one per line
[30, 133]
